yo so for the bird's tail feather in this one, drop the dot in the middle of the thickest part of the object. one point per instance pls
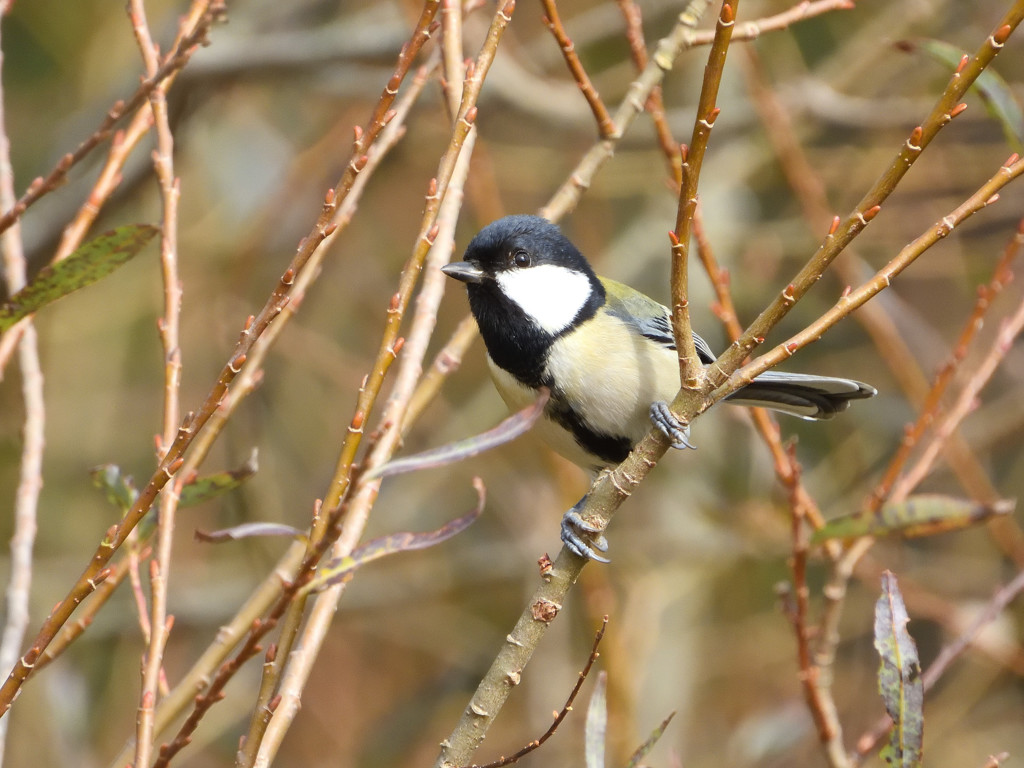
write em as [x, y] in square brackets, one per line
[802, 395]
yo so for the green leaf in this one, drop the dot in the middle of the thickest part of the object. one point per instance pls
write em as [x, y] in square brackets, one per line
[211, 486]
[93, 261]
[119, 488]
[248, 531]
[337, 571]
[914, 517]
[508, 430]
[648, 745]
[595, 730]
[999, 99]
[899, 677]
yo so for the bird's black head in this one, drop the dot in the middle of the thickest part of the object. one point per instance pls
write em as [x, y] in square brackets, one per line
[527, 285]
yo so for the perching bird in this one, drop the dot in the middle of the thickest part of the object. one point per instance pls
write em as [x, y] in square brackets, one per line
[605, 351]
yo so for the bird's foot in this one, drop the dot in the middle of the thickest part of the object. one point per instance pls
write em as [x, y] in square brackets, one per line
[583, 537]
[676, 431]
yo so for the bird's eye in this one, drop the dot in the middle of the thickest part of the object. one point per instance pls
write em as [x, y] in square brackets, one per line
[521, 258]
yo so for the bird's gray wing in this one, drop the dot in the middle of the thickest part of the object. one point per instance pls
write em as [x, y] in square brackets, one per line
[650, 319]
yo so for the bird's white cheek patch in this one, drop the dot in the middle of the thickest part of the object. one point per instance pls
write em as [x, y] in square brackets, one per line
[549, 294]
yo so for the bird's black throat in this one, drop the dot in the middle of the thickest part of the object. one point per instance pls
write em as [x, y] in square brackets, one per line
[514, 341]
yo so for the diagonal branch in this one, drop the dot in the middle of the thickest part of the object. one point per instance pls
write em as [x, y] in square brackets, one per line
[605, 126]
[841, 234]
[174, 61]
[193, 424]
[985, 195]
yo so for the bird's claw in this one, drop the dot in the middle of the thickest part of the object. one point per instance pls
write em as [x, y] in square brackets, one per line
[583, 537]
[676, 431]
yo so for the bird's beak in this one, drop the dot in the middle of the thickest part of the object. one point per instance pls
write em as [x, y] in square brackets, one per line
[464, 271]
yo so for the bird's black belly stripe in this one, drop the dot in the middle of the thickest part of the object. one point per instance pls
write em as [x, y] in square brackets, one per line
[610, 449]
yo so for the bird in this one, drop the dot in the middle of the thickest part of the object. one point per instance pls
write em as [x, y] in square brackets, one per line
[605, 351]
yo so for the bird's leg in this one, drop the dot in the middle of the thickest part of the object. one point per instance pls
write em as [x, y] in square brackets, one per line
[676, 431]
[581, 536]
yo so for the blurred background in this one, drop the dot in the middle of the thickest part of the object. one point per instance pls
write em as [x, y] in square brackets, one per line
[263, 122]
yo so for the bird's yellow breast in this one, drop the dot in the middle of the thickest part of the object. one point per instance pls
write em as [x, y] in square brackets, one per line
[609, 374]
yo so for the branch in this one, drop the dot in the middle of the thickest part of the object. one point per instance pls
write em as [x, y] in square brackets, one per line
[682, 37]
[30, 473]
[176, 59]
[930, 409]
[97, 569]
[809, 190]
[814, 679]
[691, 373]
[605, 126]
[607, 493]
[842, 233]
[169, 325]
[851, 300]
[288, 566]
[443, 205]
[965, 402]
[655, 104]
[562, 714]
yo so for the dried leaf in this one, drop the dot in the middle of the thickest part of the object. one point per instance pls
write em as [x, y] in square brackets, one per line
[648, 745]
[119, 488]
[248, 531]
[91, 262]
[899, 677]
[341, 569]
[507, 431]
[211, 486]
[915, 516]
[595, 730]
[1000, 100]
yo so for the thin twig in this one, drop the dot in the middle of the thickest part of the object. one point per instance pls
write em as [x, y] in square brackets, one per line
[562, 714]
[98, 569]
[809, 190]
[605, 126]
[452, 63]
[667, 51]
[605, 495]
[752, 30]
[655, 104]
[292, 674]
[121, 146]
[964, 404]
[163, 164]
[288, 607]
[73, 630]
[175, 60]
[785, 465]
[443, 205]
[288, 566]
[30, 473]
[842, 233]
[325, 528]
[817, 691]
[834, 594]
[1001, 275]
[851, 300]
[445, 362]
[437, 188]
[682, 37]
[691, 372]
